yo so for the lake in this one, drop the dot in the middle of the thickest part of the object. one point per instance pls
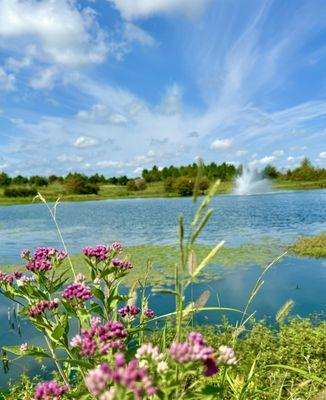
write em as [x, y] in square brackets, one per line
[281, 216]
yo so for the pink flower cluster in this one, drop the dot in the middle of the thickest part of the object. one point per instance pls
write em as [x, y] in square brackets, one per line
[123, 264]
[129, 311]
[6, 278]
[42, 306]
[126, 375]
[77, 291]
[149, 313]
[100, 338]
[49, 390]
[102, 252]
[194, 350]
[43, 259]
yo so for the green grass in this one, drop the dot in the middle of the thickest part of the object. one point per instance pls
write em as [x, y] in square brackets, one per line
[155, 189]
[313, 246]
[300, 343]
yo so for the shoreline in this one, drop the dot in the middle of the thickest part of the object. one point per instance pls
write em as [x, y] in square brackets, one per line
[226, 188]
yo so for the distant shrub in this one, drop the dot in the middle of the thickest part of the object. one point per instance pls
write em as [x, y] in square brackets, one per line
[20, 192]
[184, 185]
[204, 183]
[77, 185]
[136, 184]
[168, 185]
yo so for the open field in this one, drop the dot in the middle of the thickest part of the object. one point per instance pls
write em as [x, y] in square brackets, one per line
[156, 189]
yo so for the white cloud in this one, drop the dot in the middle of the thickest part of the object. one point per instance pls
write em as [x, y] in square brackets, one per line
[7, 81]
[133, 33]
[221, 144]
[322, 154]
[171, 102]
[45, 79]
[58, 31]
[100, 113]
[262, 161]
[290, 158]
[138, 170]
[131, 9]
[84, 141]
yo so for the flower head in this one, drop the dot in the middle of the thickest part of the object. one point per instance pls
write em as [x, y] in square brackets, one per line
[23, 347]
[122, 264]
[100, 252]
[128, 375]
[44, 258]
[49, 390]
[100, 338]
[227, 356]
[6, 279]
[149, 313]
[129, 311]
[77, 291]
[193, 351]
[42, 306]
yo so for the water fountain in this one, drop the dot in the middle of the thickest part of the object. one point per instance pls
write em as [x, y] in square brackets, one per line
[251, 182]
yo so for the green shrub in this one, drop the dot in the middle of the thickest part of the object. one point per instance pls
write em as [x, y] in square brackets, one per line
[184, 185]
[76, 184]
[20, 192]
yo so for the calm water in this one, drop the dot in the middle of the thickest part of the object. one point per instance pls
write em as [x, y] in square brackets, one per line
[238, 219]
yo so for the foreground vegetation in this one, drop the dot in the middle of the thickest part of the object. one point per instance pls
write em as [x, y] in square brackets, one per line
[110, 353]
[298, 342]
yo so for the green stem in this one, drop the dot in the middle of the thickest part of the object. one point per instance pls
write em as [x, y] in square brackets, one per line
[61, 372]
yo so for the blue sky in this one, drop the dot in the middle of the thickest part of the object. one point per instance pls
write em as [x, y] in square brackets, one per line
[115, 86]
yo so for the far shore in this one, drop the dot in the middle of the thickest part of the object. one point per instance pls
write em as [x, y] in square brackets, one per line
[153, 190]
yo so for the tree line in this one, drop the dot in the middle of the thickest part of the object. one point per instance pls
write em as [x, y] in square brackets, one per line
[175, 179]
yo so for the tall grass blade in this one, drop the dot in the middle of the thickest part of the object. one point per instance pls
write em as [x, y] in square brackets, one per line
[197, 181]
[212, 192]
[284, 311]
[201, 225]
[305, 374]
[192, 262]
[207, 259]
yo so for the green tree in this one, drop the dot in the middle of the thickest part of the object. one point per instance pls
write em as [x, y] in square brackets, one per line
[185, 185]
[270, 172]
[5, 179]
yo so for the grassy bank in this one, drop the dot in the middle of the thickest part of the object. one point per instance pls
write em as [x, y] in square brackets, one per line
[155, 189]
[310, 246]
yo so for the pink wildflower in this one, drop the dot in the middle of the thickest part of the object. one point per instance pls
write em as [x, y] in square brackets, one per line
[128, 375]
[122, 264]
[49, 390]
[194, 350]
[42, 306]
[77, 291]
[100, 338]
